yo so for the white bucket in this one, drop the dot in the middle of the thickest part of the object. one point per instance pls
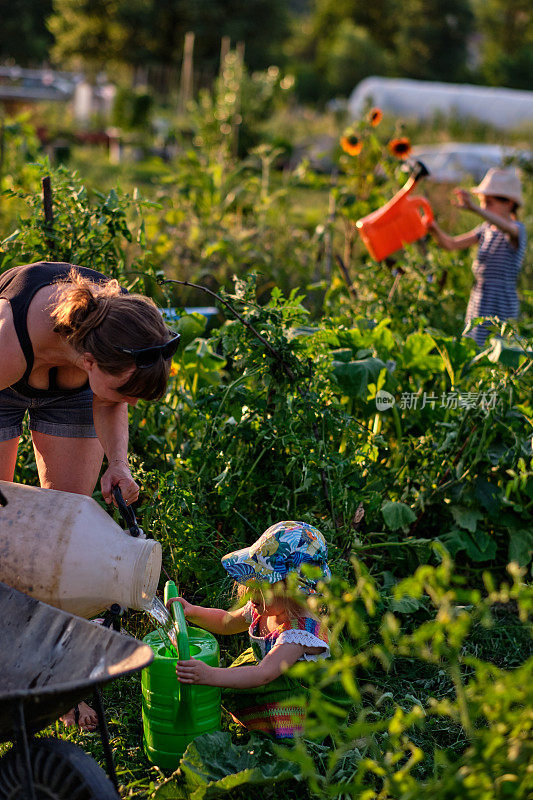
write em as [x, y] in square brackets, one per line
[65, 550]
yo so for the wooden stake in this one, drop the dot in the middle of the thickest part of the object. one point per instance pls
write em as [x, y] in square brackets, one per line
[186, 79]
[237, 115]
[328, 243]
[346, 275]
[225, 44]
[48, 211]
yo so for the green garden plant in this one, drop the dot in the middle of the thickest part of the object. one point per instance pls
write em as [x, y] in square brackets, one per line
[277, 413]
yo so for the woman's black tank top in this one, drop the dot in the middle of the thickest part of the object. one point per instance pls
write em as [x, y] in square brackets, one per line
[19, 285]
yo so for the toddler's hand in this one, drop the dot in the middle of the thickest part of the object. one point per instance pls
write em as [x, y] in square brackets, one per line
[464, 199]
[193, 671]
[187, 607]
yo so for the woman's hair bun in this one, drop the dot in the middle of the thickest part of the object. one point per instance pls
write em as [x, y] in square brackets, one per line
[105, 321]
[81, 306]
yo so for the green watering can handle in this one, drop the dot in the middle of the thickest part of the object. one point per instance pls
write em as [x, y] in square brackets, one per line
[182, 636]
[179, 620]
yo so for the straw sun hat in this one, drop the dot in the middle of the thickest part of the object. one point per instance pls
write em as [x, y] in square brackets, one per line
[501, 183]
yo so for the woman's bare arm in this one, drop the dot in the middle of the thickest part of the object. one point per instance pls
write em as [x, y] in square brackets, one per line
[12, 361]
[111, 424]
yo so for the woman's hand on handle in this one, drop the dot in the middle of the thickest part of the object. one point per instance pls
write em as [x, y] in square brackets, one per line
[111, 423]
[118, 474]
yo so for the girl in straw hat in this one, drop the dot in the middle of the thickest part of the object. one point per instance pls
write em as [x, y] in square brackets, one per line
[501, 241]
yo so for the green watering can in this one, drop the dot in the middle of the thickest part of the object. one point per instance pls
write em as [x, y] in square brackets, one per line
[174, 713]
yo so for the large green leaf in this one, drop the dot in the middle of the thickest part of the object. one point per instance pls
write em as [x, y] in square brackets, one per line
[497, 452]
[466, 517]
[521, 547]
[201, 353]
[343, 354]
[415, 353]
[190, 327]
[488, 494]
[479, 546]
[369, 334]
[353, 377]
[405, 605]
[397, 515]
[508, 356]
[202, 364]
[212, 766]
[172, 790]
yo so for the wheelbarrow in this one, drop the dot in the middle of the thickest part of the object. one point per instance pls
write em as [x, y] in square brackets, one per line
[49, 661]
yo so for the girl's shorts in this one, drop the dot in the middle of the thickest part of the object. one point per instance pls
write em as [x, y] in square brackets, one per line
[69, 416]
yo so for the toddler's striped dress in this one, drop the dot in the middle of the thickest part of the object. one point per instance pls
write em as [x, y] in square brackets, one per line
[279, 707]
[495, 269]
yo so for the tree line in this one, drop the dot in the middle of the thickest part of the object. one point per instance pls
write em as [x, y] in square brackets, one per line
[329, 45]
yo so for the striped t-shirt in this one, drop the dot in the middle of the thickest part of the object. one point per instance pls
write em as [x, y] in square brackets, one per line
[495, 269]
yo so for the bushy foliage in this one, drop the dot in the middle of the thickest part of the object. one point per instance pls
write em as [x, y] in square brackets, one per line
[380, 748]
[276, 413]
[102, 231]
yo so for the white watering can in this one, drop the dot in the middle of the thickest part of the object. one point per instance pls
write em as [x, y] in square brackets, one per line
[65, 550]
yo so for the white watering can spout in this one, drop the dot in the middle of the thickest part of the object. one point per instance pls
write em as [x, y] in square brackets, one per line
[65, 550]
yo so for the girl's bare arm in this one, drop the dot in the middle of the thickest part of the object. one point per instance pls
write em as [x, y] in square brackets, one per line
[509, 226]
[216, 620]
[274, 663]
[448, 242]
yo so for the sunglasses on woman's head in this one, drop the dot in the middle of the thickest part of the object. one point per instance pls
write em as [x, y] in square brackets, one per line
[147, 356]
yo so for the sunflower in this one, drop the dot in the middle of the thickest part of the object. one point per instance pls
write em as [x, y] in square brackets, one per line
[401, 147]
[375, 115]
[351, 144]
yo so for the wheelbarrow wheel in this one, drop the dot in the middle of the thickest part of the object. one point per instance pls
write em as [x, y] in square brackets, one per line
[61, 771]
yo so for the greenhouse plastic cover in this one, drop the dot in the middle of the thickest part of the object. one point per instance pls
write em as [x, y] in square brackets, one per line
[453, 161]
[503, 108]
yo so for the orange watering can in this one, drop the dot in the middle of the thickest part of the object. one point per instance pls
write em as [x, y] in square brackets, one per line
[402, 220]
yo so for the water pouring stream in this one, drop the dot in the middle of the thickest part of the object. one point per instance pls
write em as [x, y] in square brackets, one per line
[164, 623]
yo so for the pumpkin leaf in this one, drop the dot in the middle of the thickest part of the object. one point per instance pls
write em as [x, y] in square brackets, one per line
[521, 547]
[212, 767]
[478, 547]
[397, 515]
[353, 377]
[466, 517]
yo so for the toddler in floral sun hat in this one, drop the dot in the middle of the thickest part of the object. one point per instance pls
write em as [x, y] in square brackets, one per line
[283, 548]
[281, 627]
